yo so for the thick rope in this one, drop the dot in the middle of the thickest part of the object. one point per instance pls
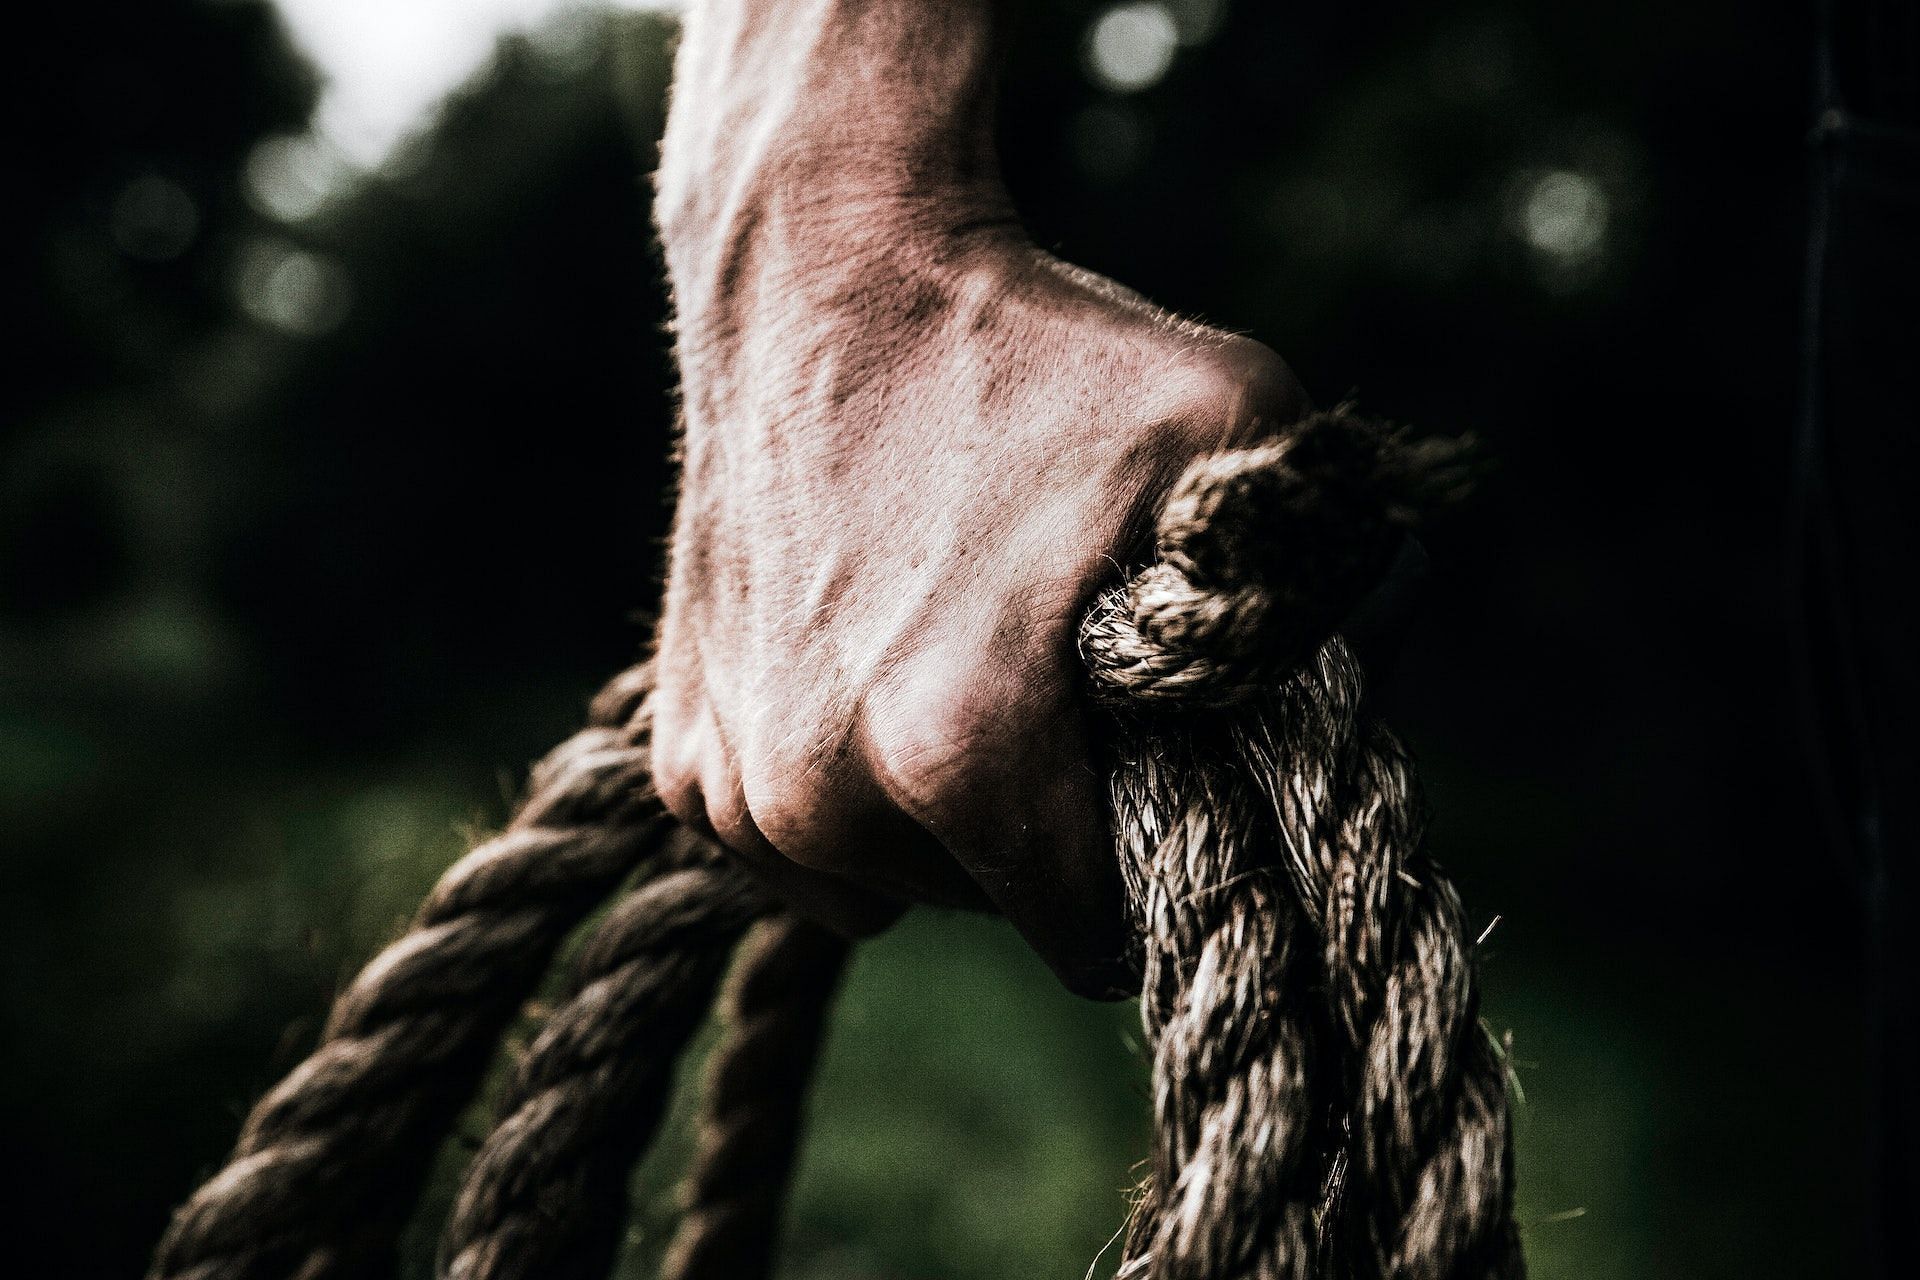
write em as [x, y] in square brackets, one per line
[1429, 1188]
[752, 1108]
[1260, 554]
[1237, 1162]
[1325, 1100]
[330, 1162]
[546, 1195]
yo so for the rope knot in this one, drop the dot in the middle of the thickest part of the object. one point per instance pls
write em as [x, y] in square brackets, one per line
[1260, 552]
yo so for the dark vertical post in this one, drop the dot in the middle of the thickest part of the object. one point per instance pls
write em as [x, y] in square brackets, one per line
[1857, 539]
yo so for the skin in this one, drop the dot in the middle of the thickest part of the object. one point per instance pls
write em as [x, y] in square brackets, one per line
[915, 447]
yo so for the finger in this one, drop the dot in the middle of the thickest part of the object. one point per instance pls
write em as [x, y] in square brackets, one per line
[1037, 843]
[837, 823]
[694, 765]
[849, 909]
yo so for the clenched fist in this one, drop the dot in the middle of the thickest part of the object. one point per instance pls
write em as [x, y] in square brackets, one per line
[915, 448]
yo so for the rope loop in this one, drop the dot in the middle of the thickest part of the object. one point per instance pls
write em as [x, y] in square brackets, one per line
[1260, 552]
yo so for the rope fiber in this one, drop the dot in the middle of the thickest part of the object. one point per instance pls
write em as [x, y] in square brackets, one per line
[1326, 1102]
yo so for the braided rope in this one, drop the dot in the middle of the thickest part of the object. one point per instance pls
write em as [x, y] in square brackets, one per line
[546, 1195]
[776, 1005]
[1250, 822]
[330, 1162]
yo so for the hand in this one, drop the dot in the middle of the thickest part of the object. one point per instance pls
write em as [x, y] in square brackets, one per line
[915, 448]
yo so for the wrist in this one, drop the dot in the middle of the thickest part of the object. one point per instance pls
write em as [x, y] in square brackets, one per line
[841, 122]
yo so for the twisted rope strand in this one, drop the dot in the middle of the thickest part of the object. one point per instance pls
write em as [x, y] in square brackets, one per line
[546, 1195]
[752, 1109]
[1260, 553]
[1387, 1076]
[1428, 1191]
[1234, 1181]
[331, 1160]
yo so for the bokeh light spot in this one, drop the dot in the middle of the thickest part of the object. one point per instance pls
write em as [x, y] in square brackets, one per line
[294, 290]
[294, 177]
[1131, 46]
[1563, 216]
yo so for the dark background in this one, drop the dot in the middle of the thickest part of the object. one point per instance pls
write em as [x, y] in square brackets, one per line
[300, 563]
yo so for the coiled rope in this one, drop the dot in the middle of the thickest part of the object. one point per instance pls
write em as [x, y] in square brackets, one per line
[1325, 1100]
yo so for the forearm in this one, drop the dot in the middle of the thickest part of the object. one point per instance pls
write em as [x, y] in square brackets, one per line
[830, 115]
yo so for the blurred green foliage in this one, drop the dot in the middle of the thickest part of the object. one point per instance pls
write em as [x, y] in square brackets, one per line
[312, 528]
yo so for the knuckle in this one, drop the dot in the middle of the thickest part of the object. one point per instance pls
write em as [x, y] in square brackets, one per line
[696, 780]
[792, 819]
[930, 749]
[677, 771]
[726, 809]
[1238, 389]
[679, 792]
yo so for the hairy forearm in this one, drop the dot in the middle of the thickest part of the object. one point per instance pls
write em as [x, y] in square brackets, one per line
[830, 114]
